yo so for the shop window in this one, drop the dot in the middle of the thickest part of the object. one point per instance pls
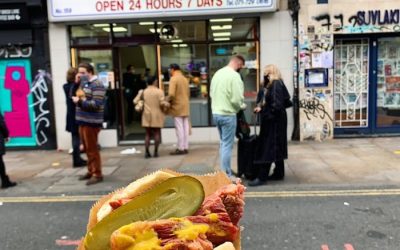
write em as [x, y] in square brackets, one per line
[388, 87]
[91, 34]
[192, 60]
[185, 31]
[227, 29]
[220, 55]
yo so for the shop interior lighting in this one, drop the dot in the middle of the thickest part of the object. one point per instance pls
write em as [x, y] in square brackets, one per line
[222, 39]
[219, 34]
[148, 23]
[183, 45]
[116, 29]
[153, 31]
[221, 27]
[221, 20]
[99, 25]
[176, 41]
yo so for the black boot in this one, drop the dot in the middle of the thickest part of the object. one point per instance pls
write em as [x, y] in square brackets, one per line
[147, 154]
[155, 152]
[279, 171]
[6, 183]
[80, 163]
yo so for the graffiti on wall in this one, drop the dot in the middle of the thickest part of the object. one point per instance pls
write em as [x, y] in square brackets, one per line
[316, 120]
[361, 22]
[315, 104]
[40, 91]
[24, 102]
[16, 102]
[15, 51]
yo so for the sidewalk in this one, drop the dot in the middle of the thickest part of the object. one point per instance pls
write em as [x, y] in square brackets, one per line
[366, 161]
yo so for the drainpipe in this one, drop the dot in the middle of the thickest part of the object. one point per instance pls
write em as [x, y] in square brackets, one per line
[294, 7]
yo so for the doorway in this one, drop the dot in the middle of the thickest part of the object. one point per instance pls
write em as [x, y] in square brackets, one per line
[136, 63]
[367, 85]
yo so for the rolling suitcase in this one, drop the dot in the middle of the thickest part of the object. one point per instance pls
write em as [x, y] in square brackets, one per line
[246, 153]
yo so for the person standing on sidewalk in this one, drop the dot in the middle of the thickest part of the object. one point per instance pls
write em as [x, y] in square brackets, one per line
[70, 88]
[178, 96]
[272, 101]
[4, 137]
[227, 99]
[152, 116]
[89, 116]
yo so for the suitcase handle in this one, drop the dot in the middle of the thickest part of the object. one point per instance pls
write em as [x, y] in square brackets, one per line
[257, 122]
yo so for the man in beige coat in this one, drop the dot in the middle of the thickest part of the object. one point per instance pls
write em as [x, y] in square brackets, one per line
[178, 95]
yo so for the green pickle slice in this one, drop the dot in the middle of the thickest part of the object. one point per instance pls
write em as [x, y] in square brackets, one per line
[174, 197]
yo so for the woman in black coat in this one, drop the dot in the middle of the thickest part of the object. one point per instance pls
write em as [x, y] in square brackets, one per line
[70, 88]
[272, 101]
[4, 137]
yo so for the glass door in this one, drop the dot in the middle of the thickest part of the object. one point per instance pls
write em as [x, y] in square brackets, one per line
[351, 88]
[367, 85]
[136, 64]
[388, 83]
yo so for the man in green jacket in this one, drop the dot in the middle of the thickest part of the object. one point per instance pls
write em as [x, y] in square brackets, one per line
[226, 100]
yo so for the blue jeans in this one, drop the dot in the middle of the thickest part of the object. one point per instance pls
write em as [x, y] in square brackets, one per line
[226, 125]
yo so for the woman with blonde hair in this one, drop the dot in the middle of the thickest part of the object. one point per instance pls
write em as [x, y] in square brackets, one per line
[272, 101]
[153, 116]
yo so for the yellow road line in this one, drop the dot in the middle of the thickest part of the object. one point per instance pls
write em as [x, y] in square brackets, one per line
[323, 193]
[261, 194]
[50, 199]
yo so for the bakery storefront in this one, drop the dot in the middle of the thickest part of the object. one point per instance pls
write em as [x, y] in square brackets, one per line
[198, 35]
[349, 64]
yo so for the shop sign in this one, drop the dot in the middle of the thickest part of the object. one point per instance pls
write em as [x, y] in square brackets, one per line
[13, 15]
[78, 10]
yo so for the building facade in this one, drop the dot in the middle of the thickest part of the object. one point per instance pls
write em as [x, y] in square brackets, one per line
[26, 99]
[349, 68]
[149, 35]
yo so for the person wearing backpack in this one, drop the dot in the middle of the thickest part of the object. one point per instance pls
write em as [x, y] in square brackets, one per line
[272, 101]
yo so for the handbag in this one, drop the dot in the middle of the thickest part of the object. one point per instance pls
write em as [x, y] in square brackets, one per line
[287, 102]
[139, 107]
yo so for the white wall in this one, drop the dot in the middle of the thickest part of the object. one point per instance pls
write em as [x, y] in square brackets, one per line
[276, 47]
[60, 62]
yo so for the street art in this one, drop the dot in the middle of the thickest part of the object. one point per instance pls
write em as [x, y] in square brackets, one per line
[40, 92]
[362, 21]
[316, 121]
[15, 85]
[15, 51]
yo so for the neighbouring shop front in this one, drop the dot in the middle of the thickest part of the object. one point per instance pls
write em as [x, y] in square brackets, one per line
[349, 69]
[147, 36]
[25, 83]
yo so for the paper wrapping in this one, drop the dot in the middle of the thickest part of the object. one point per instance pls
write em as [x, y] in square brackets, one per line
[211, 183]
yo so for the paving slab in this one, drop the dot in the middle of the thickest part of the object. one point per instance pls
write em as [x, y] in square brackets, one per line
[365, 161]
